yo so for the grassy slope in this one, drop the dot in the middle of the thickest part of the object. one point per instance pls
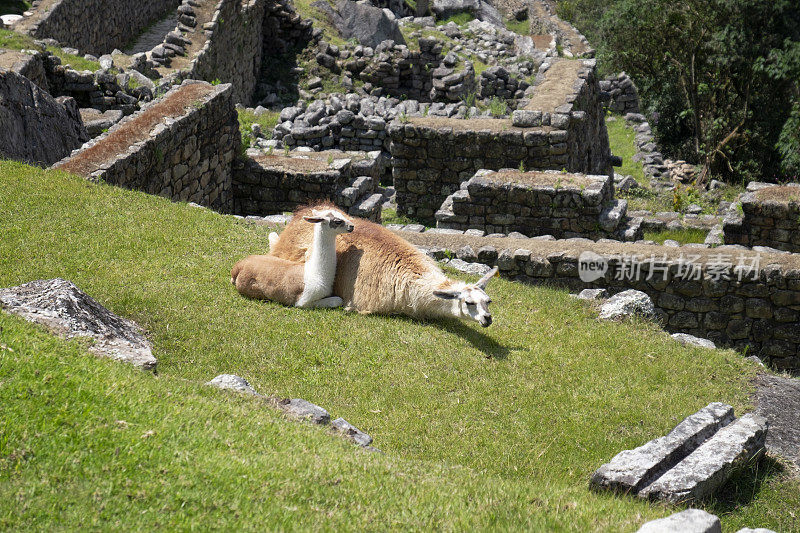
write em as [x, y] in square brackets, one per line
[517, 433]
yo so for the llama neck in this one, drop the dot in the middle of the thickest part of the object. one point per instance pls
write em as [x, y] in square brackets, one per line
[320, 269]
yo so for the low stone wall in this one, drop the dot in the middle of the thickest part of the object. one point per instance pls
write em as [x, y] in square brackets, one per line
[99, 26]
[619, 94]
[432, 157]
[736, 298]
[537, 203]
[180, 147]
[272, 184]
[770, 217]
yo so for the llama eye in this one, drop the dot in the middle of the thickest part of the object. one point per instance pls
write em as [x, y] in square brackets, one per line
[336, 223]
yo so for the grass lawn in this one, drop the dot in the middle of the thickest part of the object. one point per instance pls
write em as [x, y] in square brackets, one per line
[482, 428]
[683, 236]
[16, 41]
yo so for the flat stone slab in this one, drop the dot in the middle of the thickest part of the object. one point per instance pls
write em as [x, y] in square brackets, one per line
[305, 410]
[69, 312]
[633, 470]
[691, 340]
[688, 521]
[350, 431]
[709, 466]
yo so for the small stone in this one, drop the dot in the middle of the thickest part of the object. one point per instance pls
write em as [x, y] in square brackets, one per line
[356, 435]
[232, 382]
[691, 340]
[305, 410]
[688, 521]
[626, 304]
[592, 294]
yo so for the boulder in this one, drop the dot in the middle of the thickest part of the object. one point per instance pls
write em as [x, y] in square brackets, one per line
[368, 24]
[691, 340]
[305, 410]
[67, 311]
[36, 128]
[626, 304]
[479, 9]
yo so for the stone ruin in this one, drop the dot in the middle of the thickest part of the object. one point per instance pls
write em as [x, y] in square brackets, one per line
[480, 132]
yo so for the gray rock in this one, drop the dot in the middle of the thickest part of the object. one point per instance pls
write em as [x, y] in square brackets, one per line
[305, 410]
[69, 312]
[523, 118]
[479, 269]
[348, 430]
[627, 183]
[611, 216]
[633, 470]
[36, 128]
[232, 382]
[626, 304]
[369, 25]
[592, 294]
[477, 8]
[688, 521]
[709, 466]
[691, 340]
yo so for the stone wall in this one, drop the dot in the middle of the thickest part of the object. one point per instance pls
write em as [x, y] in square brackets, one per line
[180, 146]
[432, 157]
[770, 217]
[695, 291]
[272, 184]
[538, 203]
[99, 26]
[619, 94]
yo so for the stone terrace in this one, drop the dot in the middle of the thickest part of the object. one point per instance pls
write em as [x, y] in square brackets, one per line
[561, 128]
[180, 146]
[272, 184]
[539, 203]
[770, 217]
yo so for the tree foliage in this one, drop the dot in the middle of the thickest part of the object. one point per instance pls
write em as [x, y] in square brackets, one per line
[720, 77]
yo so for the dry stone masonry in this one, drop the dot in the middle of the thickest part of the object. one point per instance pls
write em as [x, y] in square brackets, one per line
[552, 203]
[770, 217]
[181, 147]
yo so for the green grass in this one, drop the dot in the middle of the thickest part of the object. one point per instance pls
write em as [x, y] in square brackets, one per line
[683, 236]
[267, 121]
[390, 216]
[483, 429]
[521, 27]
[621, 139]
[16, 41]
[460, 19]
[306, 10]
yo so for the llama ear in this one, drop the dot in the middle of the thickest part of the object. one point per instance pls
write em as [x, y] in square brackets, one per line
[485, 279]
[313, 220]
[451, 294]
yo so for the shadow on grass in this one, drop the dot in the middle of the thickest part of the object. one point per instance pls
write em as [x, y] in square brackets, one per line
[479, 340]
[745, 485]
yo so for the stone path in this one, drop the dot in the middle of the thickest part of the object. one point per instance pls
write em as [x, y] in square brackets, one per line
[154, 35]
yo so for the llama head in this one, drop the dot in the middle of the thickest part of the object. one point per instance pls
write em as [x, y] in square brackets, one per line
[470, 301]
[330, 220]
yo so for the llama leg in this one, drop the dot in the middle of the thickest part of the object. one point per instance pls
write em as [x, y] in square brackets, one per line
[329, 302]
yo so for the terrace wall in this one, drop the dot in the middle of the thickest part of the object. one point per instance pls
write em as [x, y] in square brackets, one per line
[99, 26]
[766, 222]
[432, 157]
[186, 156]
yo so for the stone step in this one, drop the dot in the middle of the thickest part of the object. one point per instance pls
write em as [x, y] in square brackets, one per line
[612, 215]
[368, 207]
[631, 229]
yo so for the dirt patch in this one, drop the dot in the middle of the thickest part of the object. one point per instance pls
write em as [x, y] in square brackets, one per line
[126, 134]
[292, 164]
[542, 248]
[778, 400]
[541, 179]
[9, 57]
[38, 13]
[542, 42]
[782, 193]
[555, 88]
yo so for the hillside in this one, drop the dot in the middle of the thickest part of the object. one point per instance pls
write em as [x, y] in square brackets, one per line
[495, 428]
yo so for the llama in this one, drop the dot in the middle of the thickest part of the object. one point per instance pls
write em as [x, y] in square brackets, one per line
[307, 283]
[379, 272]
